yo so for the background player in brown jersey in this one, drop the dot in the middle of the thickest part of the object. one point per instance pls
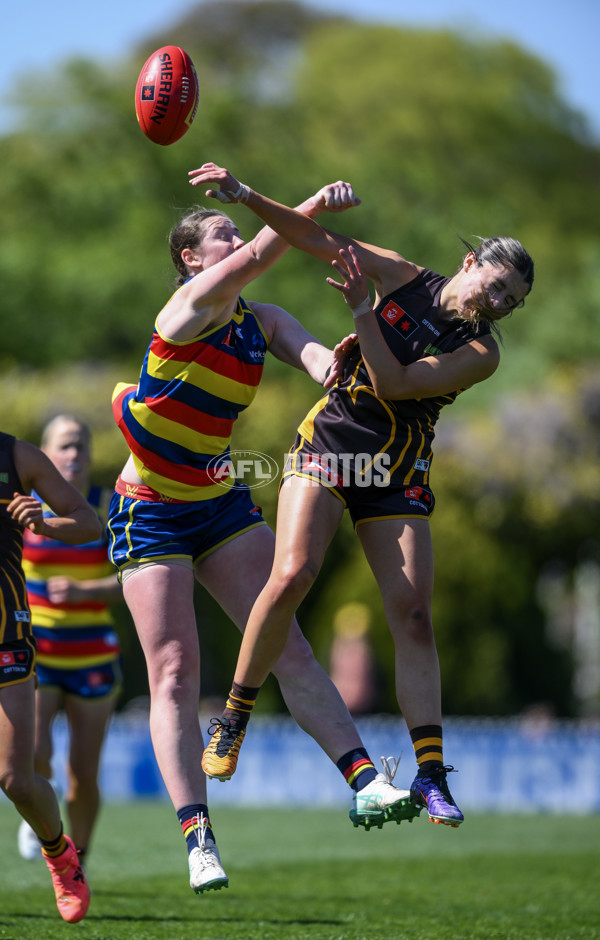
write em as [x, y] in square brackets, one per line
[422, 339]
[23, 467]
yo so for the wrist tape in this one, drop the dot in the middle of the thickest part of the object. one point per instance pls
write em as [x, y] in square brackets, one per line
[240, 195]
[365, 307]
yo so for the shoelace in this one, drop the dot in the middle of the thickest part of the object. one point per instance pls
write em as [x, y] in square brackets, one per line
[229, 735]
[224, 725]
[443, 783]
[390, 766]
[208, 859]
[201, 825]
[438, 777]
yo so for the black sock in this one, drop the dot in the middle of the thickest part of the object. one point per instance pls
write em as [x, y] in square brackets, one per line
[427, 742]
[240, 703]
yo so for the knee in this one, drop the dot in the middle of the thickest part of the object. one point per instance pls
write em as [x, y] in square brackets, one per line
[81, 784]
[417, 626]
[173, 674]
[17, 787]
[291, 582]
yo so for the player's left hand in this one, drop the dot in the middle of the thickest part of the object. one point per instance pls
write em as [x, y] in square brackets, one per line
[341, 351]
[355, 286]
[230, 188]
[28, 512]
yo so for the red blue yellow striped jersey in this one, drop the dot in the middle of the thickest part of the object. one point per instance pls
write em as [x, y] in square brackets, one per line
[70, 635]
[179, 418]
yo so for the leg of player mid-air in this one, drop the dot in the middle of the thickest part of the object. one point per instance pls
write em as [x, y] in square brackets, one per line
[312, 698]
[160, 598]
[400, 554]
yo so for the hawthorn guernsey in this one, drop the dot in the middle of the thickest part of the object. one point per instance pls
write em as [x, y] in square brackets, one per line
[166, 95]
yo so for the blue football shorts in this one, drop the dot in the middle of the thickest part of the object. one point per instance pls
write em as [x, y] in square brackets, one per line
[142, 531]
[89, 683]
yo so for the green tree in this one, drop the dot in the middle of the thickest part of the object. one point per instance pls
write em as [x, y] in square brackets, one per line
[442, 136]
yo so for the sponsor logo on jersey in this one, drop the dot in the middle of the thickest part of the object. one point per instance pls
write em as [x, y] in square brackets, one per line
[430, 326]
[22, 616]
[421, 464]
[418, 493]
[431, 350]
[399, 319]
[13, 658]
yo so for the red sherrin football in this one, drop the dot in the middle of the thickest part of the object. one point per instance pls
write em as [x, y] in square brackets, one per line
[166, 95]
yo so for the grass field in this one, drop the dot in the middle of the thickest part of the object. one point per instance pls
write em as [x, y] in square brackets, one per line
[297, 875]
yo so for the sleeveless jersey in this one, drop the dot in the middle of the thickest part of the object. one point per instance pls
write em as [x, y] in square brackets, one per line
[14, 612]
[70, 635]
[179, 419]
[350, 419]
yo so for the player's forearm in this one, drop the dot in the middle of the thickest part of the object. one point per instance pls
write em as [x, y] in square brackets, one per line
[317, 360]
[81, 526]
[102, 589]
[284, 227]
[296, 226]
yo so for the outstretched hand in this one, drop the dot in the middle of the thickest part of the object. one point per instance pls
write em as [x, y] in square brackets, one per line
[230, 188]
[334, 197]
[355, 286]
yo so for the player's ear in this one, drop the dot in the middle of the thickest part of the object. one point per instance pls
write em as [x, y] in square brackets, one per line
[190, 258]
[469, 260]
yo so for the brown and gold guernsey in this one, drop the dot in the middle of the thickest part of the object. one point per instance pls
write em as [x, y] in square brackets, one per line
[350, 419]
[15, 620]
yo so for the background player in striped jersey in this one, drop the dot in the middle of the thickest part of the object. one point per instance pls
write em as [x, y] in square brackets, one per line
[425, 339]
[69, 589]
[24, 468]
[174, 517]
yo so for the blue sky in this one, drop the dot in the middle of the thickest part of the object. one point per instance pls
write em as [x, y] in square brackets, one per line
[38, 35]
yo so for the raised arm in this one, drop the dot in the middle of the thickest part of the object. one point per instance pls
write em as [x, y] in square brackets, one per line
[207, 298]
[75, 521]
[387, 269]
[425, 378]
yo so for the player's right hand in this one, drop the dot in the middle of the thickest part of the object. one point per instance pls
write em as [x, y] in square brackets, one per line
[337, 197]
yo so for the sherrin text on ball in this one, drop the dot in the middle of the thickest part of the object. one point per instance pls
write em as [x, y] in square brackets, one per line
[166, 95]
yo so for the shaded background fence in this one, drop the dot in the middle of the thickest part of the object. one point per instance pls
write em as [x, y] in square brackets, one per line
[517, 766]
